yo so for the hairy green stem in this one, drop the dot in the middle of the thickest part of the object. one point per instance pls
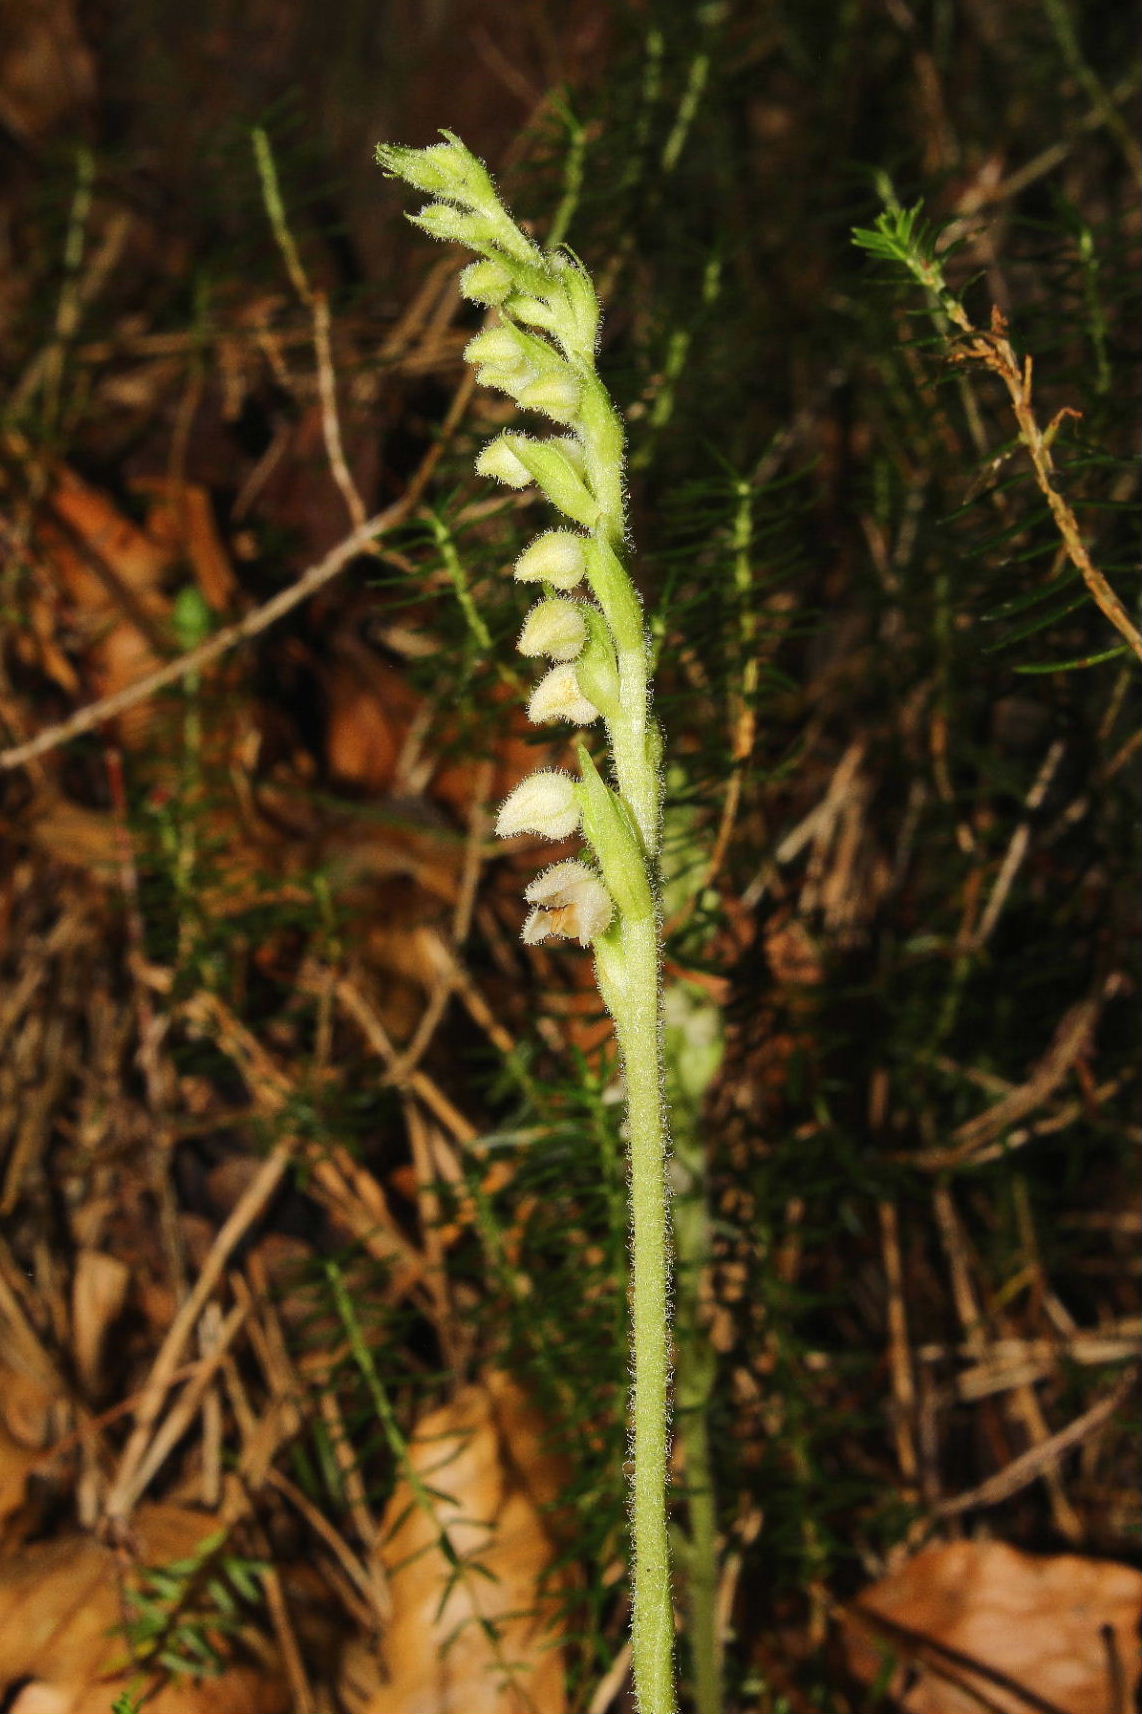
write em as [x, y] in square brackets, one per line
[702, 1575]
[696, 1368]
[630, 984]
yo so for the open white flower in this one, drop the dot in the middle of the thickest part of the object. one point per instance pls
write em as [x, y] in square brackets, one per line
[557, 697]
[570, 902]
[546, 803]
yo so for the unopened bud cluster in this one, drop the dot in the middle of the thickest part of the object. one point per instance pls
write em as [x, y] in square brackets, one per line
[539, 349]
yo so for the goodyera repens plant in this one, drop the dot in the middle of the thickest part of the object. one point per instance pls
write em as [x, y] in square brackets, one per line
[538, 346]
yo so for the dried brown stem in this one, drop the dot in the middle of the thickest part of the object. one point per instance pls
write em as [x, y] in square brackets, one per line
[995, 351]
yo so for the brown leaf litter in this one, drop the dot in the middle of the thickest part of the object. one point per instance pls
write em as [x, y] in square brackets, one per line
[979, 1625]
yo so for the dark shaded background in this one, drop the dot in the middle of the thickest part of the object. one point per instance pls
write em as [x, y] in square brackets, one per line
[814, 489]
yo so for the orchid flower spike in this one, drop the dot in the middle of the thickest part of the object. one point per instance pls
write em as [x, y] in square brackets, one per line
[538, 347]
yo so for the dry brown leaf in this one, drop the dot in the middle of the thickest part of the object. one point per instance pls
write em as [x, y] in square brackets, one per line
[370, 707]
[27, 1406]
[60, 1602]
[47, 72]
[70, 833]
[376, 739]
[112, 575]
[578, 1019]
[96, 536]
[181, 518]
[98, 1294]
[979, 1625]
[298, 490]
[32, 1415]
[485, 1452]
[516, 756]
[16, 1463]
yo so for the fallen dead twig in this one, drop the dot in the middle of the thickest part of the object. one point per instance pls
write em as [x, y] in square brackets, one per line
[1021, 1405]
[445, 980]
[365, 1017]
[1037, 1460]
[1017, 849]
[949, 1666]
[1071, 1039]
[364, 1606]
[612, 1681]
[179, 1419]
[195, 660]
[317, 303]
[349, 1192]
[899, 1345]
[124, 1490]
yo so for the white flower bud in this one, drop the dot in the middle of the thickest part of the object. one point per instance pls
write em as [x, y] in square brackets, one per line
[506, 380]
[499, 462]
[557, 396]
[486, 282]
[455, 226]
[544, 803]
[556, 466]
[557, 697]
[509, 381]
[571, 902]
[532, 310]
[498, 346]
[445, 169]
[555, 628]
[556, 558]
[583, 332]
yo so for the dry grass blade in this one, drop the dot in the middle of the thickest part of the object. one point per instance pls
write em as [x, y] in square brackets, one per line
[976, 1138]
[124, 1489]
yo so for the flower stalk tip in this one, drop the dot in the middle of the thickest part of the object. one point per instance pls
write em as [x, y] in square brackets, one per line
[447, 169]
